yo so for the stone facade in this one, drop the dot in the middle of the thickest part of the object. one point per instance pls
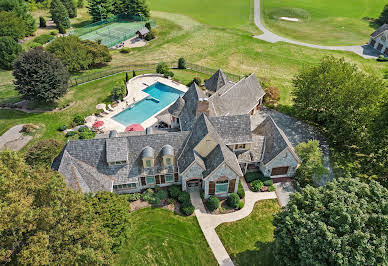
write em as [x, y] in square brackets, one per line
[195, 171]
[380, 43]
[285, 158]
[222, 171]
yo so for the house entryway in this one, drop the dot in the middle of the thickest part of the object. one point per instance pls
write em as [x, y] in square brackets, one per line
[194, 185]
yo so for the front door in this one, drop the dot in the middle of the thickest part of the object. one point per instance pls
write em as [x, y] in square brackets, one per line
[194, 185]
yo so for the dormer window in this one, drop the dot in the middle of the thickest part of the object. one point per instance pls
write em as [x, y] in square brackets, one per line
[168, 155]
[168, 161]
[148, 157]
[147, 163]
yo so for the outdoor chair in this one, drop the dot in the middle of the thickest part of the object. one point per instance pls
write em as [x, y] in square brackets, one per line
[110, 108]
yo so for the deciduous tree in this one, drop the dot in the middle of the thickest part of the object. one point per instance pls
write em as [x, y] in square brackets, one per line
[40, 76]
[9, 51]
[342, 223]
[20, 8]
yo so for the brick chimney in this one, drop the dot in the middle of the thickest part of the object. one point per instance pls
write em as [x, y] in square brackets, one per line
[202, 106]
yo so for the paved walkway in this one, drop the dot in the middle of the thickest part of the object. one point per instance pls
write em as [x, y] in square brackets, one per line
[14, 139]
[283, 192]
[208, 222]
[362, 50]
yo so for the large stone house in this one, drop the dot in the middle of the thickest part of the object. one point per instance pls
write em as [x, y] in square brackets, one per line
[379, 39]
[211, 151]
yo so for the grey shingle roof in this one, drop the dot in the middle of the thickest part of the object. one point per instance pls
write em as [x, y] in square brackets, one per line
[188, 113]
[219, 155]
[143, 31]
[176, 108]
[167, 150]
[116, 150]
[275, 139]
[240, 98]
[217, 81]
[254, 154]
[380, 30]
[233, 129]
[148, 152]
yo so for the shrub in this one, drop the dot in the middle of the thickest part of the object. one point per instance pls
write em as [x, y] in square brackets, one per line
[147, 195]
[9, 51]
[133, 196]
[174, 191]
[154, 200]
[271, 188]
[162, 68]
[170, 201]
[184, 197]
[212, 203]
[256, 185]
[187, 208]
[125, 50]
[11, 25]
[44, 38]
[133, 73]
[382, 58]
[240, 190]
[42, 22]
[181, 63]
[61, 29]
[83, 129]
[168, 74]
[240, 205]
[202, 194]
[251, 176]
[150, 36]
[70, 134]
[53, 32]
[197, 80]
[79, 120]
[62, 128]
[49, 75]
[268, 182]
[233, 200]
[87, 134]
[161, 194]
[34, 44]
[118, 93]
[43, 152]
[148, 25]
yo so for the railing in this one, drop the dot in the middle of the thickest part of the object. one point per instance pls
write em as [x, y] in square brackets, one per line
[74, 81]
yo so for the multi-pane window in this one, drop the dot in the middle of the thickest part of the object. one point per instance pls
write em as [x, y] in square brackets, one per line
[125, 186]
[150, 180]
[222, 186]
[148, 163]
[169, 178]
[168, 161]
[239, 146]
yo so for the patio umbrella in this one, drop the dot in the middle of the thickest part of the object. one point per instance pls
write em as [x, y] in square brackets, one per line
[134, 127]
[98, 124]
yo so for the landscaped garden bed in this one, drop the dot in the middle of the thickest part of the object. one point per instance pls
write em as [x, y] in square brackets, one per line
[257, 182]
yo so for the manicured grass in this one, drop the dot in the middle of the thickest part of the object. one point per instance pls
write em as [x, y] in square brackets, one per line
[327, 22]
[250, 241]
[159, 237]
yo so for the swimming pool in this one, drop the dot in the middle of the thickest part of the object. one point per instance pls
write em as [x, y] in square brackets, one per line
[162, 96]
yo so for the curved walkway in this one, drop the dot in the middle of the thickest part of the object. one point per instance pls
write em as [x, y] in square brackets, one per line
[362, 50]
[209, 222]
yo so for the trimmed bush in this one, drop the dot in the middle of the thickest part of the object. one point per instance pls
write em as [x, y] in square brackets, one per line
[62, 128]
[268, 182]
[168, 74]
[162, 68]
[42, 22]
[133, 197]
[83, 129]
[184, 197]
[187, 208]
[87, 134]
[70, 134]
[256, 185]
[150, 36]
[212, 203]
[240, 190]
[79, 120]
[125, 50]
[133, 73]
[147, 195]
[148, 25]
[9, 51]
[271, 188]
[154, 200]
[233, 200]
[252, 176]
[240, 205]
[174, 191]
[161, 194]
[181, 63]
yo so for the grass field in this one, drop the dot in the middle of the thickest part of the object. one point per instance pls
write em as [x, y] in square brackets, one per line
[159, 237]
[327, 22]
[249, 241]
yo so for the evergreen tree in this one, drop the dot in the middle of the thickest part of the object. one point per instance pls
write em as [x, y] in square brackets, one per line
[80, 3]
[70, 7]
[383, 18]
[11, 25]
[100, 9]
[42, 22]
[9, 51]
[40, 76]
[133, 7]
[21, 9]
[59, 14]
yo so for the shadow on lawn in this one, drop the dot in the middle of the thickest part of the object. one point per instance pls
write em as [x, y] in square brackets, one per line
[262, 255]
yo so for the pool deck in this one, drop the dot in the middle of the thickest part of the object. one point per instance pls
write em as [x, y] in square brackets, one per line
[135, 87]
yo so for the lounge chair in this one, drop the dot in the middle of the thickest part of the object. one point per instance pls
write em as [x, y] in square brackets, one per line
[106, 111]
[110, 108]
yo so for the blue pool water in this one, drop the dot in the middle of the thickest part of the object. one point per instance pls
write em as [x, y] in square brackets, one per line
[148, 107]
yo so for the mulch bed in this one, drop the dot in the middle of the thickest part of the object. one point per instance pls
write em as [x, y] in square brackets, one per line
[223, 208]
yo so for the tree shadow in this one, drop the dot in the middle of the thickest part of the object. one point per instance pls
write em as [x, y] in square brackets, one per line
[262, 255]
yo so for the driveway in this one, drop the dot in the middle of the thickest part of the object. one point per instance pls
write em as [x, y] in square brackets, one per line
[297, 132]
[209, 222]
[362, 50]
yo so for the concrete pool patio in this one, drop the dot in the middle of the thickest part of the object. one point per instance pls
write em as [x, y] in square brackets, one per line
[135, 94]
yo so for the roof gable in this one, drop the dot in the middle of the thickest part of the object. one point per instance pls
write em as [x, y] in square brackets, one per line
[216, 81]
[380, 30]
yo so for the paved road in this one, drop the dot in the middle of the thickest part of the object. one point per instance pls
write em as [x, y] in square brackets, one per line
[363, 50]
[209, 222]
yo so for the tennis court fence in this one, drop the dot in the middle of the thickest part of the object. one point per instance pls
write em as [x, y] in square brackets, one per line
[74, 81]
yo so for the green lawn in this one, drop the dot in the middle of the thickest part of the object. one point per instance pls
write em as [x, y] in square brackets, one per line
[160, 237]
[327, 22]
[250, 241]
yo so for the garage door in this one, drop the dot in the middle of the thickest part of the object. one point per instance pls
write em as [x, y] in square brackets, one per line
[279, 171]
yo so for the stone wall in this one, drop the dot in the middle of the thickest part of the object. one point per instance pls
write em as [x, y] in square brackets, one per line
[285, 158]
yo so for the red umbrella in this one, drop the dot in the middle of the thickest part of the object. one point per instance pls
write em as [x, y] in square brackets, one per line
[134, 127]
[98, 124]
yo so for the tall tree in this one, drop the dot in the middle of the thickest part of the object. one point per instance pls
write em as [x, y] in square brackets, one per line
[9, 51]
[59, 14]
[40, 76]
[70, 7]
[100, 9]
[43, 222]
[11, 25]
[21, 9]
[134, 8]
[342, 223]
[383, 18]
